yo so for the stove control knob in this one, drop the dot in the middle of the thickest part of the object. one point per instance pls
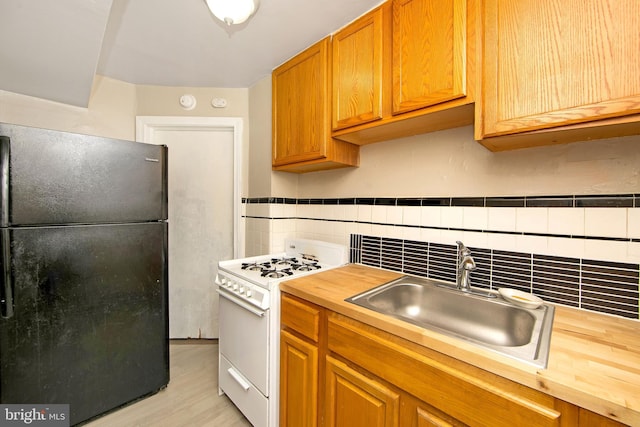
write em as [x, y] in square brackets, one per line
[235, 286]
[249, 293]
[241, 290]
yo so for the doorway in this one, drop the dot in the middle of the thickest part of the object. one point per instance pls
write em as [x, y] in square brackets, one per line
[204, 203]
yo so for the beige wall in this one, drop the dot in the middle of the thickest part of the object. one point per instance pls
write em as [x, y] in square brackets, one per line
[111, 111]
[451, 163]
[114, 105]
[164, 101]
[263, 182]
[260, 128]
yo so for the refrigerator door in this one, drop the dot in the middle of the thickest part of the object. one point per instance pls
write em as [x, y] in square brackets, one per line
[90, 319]
[51, 177]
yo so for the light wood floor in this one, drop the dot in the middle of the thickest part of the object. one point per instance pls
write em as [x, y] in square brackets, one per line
[191, 398]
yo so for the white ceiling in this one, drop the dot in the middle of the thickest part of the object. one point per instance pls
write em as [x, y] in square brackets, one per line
[56, 50]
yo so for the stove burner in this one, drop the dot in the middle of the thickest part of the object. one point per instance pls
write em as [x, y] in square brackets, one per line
[306, 266]
[254, 266]
[283, 262]
[276, 274]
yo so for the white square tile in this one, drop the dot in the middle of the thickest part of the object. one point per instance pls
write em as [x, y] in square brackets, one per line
[303, 211]
[605, 250]
[501, 219]
[276, 210]
[474, 218]
[633, 226]
[633, 252]
[565, 247]
[349, 212]
[379, 214]
[318, 211]
[476, 240]
[431, 216]
[364, 213]
[411, 215]
[568, 221]
[450, 237]
[605, 222]
[452, 217]
[338, 228]
[290, 210]
[532, 244]
[394, 215]
[252, 209]
[383, 230]
[334, 212]
[364, 229]
[412, 233]
[532, 220]
[430, 235]
[503, 242]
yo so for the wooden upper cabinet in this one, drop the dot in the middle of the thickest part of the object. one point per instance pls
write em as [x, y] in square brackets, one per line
[429, 52]
[406, 68]
[551, 63]
[301, 130]
[299, 87]
[358, 70]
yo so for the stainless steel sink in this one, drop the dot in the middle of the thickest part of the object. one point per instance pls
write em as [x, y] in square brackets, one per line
[492, 323]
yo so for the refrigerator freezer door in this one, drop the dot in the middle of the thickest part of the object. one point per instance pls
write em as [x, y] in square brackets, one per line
[52, 177]
[90, 321]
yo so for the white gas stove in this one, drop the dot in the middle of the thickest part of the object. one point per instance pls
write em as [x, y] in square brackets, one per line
[249, 319]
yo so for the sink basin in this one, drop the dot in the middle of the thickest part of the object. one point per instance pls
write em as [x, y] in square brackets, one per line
[492, 323]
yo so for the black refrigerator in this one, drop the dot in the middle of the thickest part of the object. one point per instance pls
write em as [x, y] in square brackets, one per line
[83, 254]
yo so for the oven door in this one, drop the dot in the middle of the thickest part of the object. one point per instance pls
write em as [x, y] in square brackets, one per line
[244, 338]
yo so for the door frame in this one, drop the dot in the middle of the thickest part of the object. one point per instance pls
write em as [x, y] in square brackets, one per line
[147, 126]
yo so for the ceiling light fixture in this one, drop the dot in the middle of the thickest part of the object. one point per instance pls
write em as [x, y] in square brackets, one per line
[233, 11]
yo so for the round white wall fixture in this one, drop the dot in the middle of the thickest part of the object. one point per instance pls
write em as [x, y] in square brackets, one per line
[219, 102]
[188, 102]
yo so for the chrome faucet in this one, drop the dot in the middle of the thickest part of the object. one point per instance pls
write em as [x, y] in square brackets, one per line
[466, 265]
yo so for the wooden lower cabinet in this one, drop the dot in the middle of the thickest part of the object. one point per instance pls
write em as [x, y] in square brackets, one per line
[416, 413]
[354, 375]
[298, 382]
[355, 400]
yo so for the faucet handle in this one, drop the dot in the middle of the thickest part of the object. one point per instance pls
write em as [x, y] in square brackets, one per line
[462, 249]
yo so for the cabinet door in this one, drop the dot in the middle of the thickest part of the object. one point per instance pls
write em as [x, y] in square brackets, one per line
[550, 63]
[298, 382]
[357, 71]
[416, 413]
[429, 52]
[300, 112]
[355, 400]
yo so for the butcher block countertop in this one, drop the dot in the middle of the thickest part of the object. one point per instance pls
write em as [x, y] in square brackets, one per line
[594, 361]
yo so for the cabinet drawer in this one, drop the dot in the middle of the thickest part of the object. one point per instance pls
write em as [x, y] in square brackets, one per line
[301, 317]
[446, 388]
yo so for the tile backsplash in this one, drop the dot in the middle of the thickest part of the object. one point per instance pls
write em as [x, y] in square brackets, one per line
[520, 237]
[604, 287]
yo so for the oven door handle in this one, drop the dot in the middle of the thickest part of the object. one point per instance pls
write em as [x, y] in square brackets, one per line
[241, 382]
[238, 301]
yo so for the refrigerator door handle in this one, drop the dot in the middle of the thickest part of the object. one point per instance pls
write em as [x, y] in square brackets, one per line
[5, 147]
[6, 288]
